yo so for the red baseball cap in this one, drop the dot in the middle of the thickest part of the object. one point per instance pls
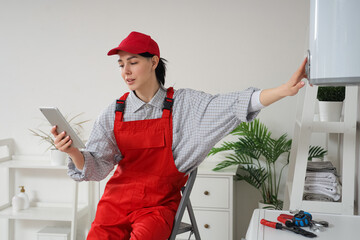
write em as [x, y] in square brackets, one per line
[137, 43]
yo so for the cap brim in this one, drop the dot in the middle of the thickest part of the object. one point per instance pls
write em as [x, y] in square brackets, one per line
[113, 51]
[116, 50]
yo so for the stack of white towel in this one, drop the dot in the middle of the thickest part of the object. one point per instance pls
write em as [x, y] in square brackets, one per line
[321, 182]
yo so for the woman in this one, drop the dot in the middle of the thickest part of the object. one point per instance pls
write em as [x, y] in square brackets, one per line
[155, 136]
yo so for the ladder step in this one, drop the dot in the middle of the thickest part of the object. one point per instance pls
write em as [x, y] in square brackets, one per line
[184, 227]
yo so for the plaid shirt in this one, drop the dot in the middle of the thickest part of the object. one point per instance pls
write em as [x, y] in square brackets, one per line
[200, 120]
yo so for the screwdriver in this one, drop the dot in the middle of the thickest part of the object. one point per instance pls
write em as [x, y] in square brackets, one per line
[293, 229]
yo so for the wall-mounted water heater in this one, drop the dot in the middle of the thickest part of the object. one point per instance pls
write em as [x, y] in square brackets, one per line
[334, 42]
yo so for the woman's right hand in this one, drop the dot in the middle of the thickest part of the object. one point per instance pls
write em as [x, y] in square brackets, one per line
[62, 141]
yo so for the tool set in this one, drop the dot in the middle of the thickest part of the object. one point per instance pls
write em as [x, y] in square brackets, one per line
[294, 223]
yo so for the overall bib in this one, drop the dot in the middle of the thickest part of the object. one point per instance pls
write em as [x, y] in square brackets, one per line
[141, 198]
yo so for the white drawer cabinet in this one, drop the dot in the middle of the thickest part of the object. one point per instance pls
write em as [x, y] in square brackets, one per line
[211, 192]
[213, 201]
[211, 224]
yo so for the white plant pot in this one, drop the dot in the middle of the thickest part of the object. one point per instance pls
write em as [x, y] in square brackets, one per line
[262, 205]
[57, 157]
[330, 111]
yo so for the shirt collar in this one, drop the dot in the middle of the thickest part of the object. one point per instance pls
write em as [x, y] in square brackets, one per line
[134, 103]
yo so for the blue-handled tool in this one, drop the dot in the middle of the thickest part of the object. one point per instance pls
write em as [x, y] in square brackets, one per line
[302, 219]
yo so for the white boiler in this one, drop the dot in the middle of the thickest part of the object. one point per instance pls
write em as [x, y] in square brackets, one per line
[334, 42]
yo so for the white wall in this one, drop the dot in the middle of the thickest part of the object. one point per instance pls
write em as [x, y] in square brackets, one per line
[54, 53]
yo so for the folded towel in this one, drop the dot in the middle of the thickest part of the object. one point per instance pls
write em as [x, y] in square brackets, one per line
[329, 190]
[334, 197]
[322, 195]
[317, 197]
[320, 176]
[321, 183]
[324, 166]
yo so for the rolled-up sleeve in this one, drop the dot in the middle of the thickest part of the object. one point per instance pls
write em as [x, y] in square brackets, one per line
[101, 153]
[255, 104]
[217, 115]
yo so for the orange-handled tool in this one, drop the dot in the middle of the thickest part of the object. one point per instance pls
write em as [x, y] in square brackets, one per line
[271, 224]
[294, 229]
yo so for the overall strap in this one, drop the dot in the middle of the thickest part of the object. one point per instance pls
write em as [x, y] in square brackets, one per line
[120, 107]
[168, 103]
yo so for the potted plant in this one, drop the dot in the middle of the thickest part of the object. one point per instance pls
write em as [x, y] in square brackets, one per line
[330, 102]
[57, 157]
[256, 154]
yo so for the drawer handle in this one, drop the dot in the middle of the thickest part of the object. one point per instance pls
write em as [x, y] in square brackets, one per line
[206, 226]
[206, 193]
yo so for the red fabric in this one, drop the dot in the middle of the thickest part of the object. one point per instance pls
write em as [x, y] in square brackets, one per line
[137, 43]
[141, 199]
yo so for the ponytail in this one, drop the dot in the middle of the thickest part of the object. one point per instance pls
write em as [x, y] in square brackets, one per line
[160, 70]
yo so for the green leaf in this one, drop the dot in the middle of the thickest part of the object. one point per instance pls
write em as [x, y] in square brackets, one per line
[252, 175]
[331, 93]
[276, 203]
[240, 158]
[247, 146]
[280, 146]
[226, 146]
[316, 152]
[234, 159]
[224, 164]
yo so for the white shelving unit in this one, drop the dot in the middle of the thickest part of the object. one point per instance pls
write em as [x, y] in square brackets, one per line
[67, 212]
[304, 127]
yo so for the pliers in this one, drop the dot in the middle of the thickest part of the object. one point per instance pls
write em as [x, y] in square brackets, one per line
[294, 229]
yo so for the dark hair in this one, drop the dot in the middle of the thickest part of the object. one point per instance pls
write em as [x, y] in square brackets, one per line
[160, 70]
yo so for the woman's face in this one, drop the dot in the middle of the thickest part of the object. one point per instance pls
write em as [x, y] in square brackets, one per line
[137, 71]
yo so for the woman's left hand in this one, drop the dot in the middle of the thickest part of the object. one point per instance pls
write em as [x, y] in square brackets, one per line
[293, 86]
[290, 88]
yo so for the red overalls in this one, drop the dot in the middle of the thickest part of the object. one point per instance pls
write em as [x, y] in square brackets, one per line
[141, 199]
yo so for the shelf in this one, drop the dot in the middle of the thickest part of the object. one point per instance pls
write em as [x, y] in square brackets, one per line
[328, 127]
[43, 211]
[31, 164]
[65, 212]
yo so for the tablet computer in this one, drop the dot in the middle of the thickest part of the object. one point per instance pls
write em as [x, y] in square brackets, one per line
[54, 116]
